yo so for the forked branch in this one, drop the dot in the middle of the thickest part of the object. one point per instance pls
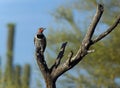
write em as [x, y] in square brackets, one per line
[94, 23]
[57, 69]
[86, 43]
[110, 29]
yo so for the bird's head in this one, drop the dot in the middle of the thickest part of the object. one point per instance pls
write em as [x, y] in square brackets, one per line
[40, 30]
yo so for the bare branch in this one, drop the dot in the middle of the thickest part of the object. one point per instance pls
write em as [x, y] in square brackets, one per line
[42, 64]
[70, 56]
[59, 57]
[65, 67]
[57, 69]
[90, 51]
[94, 23]
[110, 29]
[83, 49]
[61, 54]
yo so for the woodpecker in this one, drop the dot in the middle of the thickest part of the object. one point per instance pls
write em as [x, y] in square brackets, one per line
[40, 41]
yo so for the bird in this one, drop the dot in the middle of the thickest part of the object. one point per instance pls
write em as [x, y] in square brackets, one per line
[40, 41]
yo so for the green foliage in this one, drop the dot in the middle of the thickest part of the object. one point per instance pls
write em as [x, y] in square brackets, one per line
[102, 66]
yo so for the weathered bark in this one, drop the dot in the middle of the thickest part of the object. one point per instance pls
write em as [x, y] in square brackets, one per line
[51, 74]
[50, 83]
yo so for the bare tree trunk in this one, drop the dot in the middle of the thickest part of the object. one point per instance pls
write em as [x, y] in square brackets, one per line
[50, 83]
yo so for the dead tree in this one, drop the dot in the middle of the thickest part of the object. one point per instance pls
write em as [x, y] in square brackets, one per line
[51, 74]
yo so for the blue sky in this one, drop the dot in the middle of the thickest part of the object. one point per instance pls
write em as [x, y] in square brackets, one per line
[28, 15]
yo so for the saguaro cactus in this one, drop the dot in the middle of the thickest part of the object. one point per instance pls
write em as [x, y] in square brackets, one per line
[17, 79]
[13, 77]
[10, 45]
[26, 76]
